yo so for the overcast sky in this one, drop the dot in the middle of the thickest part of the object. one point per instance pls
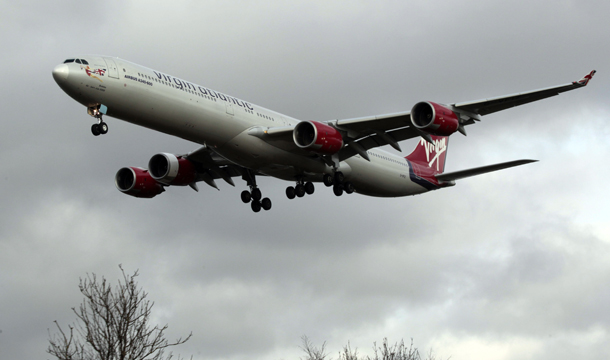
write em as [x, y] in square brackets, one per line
[505, 266]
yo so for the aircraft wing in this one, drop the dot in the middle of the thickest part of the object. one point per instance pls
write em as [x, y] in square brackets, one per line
[456, 175]
[488, 106]
[361, 134]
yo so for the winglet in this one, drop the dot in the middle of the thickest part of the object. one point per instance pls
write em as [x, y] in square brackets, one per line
[585, 80]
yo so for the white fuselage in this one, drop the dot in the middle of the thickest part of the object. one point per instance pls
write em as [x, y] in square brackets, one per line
[164, 103]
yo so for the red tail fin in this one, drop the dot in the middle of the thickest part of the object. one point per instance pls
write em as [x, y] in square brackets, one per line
[430, 155]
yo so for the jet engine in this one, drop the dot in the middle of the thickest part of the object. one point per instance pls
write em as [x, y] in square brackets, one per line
[317, 137]
[434, 119]
[137, 182]
[168, 169]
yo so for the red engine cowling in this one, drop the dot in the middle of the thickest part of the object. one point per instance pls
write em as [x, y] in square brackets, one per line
[171, 170]
[137, 182]
[317, 137]
[434, 119]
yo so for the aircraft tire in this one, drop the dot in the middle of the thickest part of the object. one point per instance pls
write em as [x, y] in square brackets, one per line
[328, 180]
[266, 204]
[290, 192]
[256, 206]
[246, 196]
[103, 127]
[338, 189]
[348, 187]
[300, 190]
[95, 129]
[257, 194]
[309, 188]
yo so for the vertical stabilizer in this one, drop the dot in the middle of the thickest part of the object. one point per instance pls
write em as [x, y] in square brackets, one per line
[431, 155]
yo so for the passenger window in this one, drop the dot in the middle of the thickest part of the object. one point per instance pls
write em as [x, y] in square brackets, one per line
[68, 61]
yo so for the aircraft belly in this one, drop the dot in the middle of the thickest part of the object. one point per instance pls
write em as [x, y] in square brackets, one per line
[381, 179]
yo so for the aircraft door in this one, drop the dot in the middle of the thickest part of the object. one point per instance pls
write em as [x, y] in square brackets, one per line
[113, 71]
[230, 109]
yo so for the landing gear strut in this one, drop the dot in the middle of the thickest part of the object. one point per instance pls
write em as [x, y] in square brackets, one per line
[101, 127]
[254, 196]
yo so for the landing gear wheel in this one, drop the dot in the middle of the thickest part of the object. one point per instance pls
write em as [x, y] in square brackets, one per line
[290, 193]
[256, 206]
[103, 127]
[339, 177]
[338, 189]
[256, 194]
[348, 187]
[246, 196]
[309, 188]
[266, 204]
[300, 190]
[95, 129]
[328, 180]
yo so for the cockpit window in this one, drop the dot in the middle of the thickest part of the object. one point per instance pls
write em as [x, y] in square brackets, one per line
[84, 61]
[68, 61]
[78, 61]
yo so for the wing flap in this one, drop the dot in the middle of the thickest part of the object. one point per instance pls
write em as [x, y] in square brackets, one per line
[211, 166]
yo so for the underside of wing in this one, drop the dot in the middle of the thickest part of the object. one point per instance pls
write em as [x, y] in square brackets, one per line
[210, 166]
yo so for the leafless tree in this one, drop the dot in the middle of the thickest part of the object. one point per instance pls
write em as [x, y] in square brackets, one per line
[398, 351]
[113, 324]
[313, 353]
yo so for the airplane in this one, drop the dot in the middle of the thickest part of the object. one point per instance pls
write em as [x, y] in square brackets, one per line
[241, 139]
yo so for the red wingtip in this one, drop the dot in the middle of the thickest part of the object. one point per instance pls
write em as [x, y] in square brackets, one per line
[585, 80]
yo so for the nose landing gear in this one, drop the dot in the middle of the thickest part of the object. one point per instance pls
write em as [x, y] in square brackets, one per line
[101, 127]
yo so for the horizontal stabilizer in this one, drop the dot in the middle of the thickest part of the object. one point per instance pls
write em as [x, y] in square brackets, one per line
[456, 175]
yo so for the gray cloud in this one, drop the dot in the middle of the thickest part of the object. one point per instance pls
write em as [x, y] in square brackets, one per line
[510, 265]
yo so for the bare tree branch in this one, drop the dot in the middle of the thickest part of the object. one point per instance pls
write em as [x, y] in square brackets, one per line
[313, 353]
[112, 324]
[398, 351]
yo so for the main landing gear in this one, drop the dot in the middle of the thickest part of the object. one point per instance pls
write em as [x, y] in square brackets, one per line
[254, 196]
[101, 127]
[300, 189]
[338, 183]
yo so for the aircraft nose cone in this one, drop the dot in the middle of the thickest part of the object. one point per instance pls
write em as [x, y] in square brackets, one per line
[60, 73]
